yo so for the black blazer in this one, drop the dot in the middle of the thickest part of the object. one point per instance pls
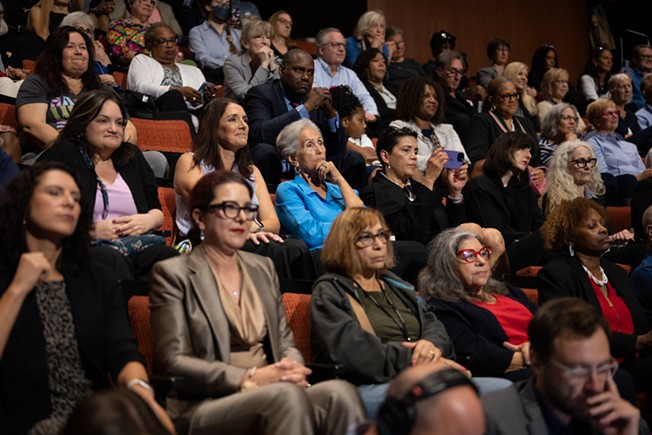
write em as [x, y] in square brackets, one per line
[268, 114]
[387, 115]
[104, 338]
[564, 276]
[136, 172]
[419, 220]
[476, 333]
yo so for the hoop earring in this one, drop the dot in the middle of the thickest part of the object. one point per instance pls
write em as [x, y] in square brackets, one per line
[571, 252]
[297, 171]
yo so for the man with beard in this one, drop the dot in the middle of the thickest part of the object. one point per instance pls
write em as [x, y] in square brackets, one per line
[573, 390]
[272, 106]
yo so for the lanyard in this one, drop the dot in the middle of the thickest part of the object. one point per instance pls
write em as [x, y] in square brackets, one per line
[103, 190]
[503, 126]
[399, 320]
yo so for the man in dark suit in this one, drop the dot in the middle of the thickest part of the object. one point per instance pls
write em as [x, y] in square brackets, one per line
[272, 106]
[573, 390]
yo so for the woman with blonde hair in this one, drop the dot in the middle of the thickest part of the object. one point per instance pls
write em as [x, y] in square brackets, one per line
[281, 22]
[368, 33]
[517, 73]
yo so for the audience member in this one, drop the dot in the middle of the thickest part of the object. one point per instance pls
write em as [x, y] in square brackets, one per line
[172, 86]
[642, 275]
[554, 88]
[620, 91]
[122, 190]
[126, 36]
[221, 143]
[517, 73]
[46, 15]
[486, 319]
[254, 65]
[558, 126]
[501, 105]
[364, 316]
[281, 22]
[498, 54]
[162, 13]
[272, 106]
[246, 10]
[618, 160]
[640, 65]
[596, 74]
[214, 40]
[644, 114]
[330, 72]
[543, 59]
[369, 32]
[401, 68]
[257, 380]
[573, 389]
[371, 68]
[15, 44]
[64, 332]
[502, 198]
[577, 229]
[458, 109]
[431, 399]
[440, 42]
[307, 205]
[420, 108]
[114, 411]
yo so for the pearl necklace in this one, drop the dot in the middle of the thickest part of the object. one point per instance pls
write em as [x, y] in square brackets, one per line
[599, 282]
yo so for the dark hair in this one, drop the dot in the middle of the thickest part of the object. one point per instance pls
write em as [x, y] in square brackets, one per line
[591, 69]
[49, 61]
[361, 66]
[111, 412]
[344, 101]
[389, 139]
[539, 66]
[438, 39]
[560, 226]
[499, 157]
[206, 144]
[204, 191]
[563, 316]
[86, 109]
[494, 45]
[150, 34]
[412, 92]
[14, 209]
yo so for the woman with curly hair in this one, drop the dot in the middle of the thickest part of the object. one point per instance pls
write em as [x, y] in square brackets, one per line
[420, 108]
[486, 319]
[577, 230]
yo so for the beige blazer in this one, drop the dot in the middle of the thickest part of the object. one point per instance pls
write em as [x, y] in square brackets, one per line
[191, 333]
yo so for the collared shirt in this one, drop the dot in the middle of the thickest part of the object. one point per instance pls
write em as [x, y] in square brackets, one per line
[343, 76]
[615, 155]
[212, 48]
[555, 426]
[644, 116]
[333, 123]
[637, 96]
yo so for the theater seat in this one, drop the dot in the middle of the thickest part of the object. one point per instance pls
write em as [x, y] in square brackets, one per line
[297, 311]
[172, 136]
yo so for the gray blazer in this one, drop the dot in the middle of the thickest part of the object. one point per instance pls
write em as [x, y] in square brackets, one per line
[238, 78]
[514, 410]
[191, 333]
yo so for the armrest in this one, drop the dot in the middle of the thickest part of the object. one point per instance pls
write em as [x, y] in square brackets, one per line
[324, 372]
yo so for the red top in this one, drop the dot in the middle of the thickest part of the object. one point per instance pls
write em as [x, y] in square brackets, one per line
[614, 309]
[512, 316]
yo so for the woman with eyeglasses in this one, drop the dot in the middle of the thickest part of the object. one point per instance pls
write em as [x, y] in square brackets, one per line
[619, 160]
[218, 323]
[173, 86]
[486, 319]
[281, 22]
[596, 74]
[254, 65]
[577, 230]
[559, 125]
[501, 105]
[126, 36]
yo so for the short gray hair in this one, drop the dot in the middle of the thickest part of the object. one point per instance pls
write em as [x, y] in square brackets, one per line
[78, 17]
[549, 125]
[287, 140]
[616, 79]
[320, 39]
[445, 58]
[440, 279]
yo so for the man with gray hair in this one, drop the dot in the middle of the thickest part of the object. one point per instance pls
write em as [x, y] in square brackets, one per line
[459, 110]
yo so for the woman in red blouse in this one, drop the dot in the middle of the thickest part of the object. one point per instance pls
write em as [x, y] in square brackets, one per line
[486, 319]
[577, 230]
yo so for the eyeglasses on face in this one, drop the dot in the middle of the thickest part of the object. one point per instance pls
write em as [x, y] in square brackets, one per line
[509, 97]
[582, 163]
[335, 45]
[583, 372]
[610, 114]
[232, 210]
[562, 82]
[454, 72]
[471, 255]
[285, 22]
[365, 240]
[163, 41]
[575, 119]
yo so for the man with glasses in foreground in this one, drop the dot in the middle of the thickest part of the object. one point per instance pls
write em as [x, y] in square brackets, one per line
[573, 389]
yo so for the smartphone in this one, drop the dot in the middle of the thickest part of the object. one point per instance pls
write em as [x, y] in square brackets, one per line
[202, 90]
[455, 159]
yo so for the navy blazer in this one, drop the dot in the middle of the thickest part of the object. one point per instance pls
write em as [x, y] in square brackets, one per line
[104, 338]
[564, 276]
[268, 114]
[477, 334]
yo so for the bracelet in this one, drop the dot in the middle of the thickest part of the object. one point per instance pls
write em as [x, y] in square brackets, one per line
[457, 200]
[140, 382]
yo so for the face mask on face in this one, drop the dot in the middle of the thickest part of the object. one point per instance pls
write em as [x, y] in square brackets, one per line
[221, 13]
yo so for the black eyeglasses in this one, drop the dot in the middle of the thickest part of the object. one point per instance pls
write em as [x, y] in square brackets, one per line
[232, 210]
[162, 41]
[581, 163]
[509, 97]
[365, 240]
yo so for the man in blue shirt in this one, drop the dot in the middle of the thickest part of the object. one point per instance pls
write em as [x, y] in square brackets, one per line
[641, 64]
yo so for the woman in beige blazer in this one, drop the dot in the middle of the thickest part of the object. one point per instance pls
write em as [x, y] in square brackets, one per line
[218, 324]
